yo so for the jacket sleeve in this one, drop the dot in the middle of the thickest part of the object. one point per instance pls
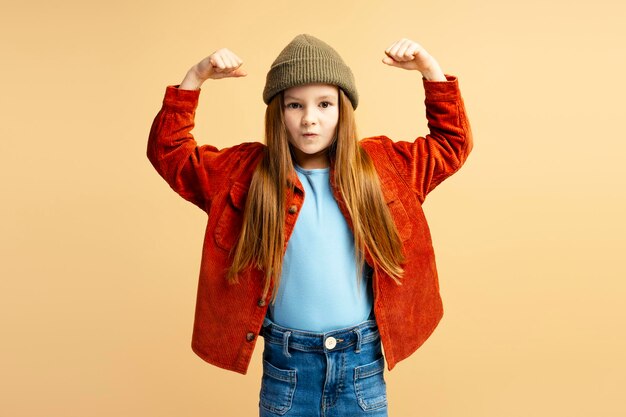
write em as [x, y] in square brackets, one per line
[193, 171]
[427, 161]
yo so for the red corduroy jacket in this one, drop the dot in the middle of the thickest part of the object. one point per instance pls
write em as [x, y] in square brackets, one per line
[228, 318]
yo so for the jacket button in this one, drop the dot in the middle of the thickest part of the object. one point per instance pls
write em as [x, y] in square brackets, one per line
[250, 337]
[261, 302]
[293, 209]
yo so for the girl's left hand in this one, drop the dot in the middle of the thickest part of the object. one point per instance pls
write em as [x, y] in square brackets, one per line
[410, 55]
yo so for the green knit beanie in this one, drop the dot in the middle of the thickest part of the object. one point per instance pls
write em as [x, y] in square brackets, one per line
[309, 60]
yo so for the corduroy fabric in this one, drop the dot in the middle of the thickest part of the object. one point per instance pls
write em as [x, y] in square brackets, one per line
[307, 60]
[228, 318]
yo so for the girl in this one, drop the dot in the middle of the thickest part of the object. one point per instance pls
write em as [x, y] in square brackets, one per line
[315, 240]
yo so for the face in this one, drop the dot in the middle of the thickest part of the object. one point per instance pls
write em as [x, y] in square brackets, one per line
[311, 113]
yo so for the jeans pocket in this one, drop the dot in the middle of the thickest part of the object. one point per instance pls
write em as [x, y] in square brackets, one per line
[369, 385]
[277, 388]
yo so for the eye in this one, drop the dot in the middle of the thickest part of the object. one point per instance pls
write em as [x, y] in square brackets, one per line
[325, 104]
[293, 105]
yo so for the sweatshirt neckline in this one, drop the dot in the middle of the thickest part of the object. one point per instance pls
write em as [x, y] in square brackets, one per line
[312, 171]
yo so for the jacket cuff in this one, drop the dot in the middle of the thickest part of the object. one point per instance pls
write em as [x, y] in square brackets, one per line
[442, 90]
[178, 99]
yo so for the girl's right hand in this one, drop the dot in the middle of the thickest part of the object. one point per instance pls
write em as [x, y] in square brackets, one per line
[222, 63]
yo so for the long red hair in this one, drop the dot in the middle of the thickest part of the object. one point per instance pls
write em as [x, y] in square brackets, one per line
[261, 243]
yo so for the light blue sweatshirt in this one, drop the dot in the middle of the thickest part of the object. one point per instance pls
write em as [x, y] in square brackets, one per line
[318, 287]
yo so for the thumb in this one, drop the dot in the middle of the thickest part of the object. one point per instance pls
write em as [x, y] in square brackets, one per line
[389, 61]
[239, 73]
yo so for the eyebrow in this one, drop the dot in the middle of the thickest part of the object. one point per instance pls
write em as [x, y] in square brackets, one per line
[318, 98]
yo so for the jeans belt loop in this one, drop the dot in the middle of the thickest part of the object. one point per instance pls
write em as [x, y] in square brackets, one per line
[286, 344]
[358, 340]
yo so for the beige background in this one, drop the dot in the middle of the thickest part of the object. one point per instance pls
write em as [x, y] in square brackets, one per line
[100, 258]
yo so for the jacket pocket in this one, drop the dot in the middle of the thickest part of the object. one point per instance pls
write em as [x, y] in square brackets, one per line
[396, 208]
[277, 388]
[230, 220]
[370, 386]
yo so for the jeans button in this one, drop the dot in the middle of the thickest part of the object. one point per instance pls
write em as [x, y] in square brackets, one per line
[330, 343]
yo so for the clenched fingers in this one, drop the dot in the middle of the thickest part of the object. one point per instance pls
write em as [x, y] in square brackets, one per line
[225, 63]
[403, 50]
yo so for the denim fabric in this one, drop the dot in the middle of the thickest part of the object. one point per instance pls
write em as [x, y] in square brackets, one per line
[332, 374]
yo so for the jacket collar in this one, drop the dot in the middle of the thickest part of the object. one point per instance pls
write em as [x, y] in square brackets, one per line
[295, 180]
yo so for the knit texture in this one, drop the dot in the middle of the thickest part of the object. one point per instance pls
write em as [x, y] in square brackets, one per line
[307, 60]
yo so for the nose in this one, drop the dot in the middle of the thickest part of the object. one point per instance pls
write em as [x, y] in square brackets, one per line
[308, 118]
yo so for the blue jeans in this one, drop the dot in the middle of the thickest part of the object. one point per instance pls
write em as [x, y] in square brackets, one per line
[332, 374]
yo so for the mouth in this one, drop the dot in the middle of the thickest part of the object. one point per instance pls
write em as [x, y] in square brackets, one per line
[309, 135]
